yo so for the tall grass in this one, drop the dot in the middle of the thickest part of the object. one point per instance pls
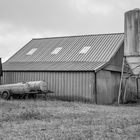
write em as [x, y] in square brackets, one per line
[59, 120]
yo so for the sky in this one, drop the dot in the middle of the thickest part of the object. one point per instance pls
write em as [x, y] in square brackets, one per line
[22, 20]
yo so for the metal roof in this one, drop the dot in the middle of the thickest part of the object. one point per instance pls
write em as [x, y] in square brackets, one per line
[52, 66]
[102, 49]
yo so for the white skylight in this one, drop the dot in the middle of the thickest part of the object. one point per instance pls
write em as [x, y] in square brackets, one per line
[85, 49]
[56, 50]
[31, 51]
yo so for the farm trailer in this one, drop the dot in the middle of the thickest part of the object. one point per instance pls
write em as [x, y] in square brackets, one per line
[23, 90]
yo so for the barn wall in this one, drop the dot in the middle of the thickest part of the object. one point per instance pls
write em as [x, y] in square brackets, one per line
[117, 59]
[107, 87]
[77, 85]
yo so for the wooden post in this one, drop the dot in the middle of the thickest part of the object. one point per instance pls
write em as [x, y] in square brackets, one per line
[125, 90]
[121, 80]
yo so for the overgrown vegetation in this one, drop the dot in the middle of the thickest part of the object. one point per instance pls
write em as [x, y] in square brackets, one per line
[57, 120]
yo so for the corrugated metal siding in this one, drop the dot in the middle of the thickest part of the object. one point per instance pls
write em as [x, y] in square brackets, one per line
[64, 84]
[103, 46]
[107, 86]
[55, 66]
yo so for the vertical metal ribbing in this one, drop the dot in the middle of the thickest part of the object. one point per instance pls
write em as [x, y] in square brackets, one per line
[76, 84]
[96, 88]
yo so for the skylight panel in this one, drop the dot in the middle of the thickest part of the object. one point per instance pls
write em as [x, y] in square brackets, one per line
[56, 50]
[85, 50]
[32, 51]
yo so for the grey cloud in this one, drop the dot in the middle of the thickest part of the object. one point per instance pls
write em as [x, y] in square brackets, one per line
[22, 20]
[51, 14]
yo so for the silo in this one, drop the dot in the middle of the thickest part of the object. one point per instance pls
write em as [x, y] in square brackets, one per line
[132, 39]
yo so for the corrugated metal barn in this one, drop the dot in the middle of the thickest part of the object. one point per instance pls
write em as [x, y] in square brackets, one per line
[86, 67]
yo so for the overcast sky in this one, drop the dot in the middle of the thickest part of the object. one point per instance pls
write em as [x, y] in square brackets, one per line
[22, 20]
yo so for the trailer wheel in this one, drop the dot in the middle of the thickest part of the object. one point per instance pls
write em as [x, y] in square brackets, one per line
[5, 95]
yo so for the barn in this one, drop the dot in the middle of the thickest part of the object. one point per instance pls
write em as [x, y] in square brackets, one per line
[84, 67]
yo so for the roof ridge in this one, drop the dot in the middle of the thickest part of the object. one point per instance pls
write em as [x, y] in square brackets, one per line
[75, 36]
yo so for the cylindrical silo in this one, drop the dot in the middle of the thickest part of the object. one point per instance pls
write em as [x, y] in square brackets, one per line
[132, 39]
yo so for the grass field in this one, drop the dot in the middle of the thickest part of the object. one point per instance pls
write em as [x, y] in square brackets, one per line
[57, 120]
